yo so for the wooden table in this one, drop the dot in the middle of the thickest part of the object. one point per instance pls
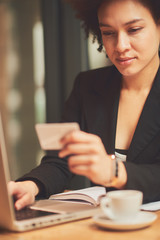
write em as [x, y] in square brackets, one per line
[85, 230]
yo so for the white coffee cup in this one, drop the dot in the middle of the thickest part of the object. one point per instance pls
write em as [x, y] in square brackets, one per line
[121, 204]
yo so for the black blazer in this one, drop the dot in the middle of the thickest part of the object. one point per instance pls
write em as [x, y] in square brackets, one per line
[93, 103]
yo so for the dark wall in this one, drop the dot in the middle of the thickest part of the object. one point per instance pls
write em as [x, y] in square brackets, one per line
[65, 56]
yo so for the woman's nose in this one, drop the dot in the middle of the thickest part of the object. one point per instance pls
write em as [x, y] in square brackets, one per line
[122, 42]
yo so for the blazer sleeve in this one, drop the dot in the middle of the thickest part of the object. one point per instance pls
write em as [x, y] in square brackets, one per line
[53, 175]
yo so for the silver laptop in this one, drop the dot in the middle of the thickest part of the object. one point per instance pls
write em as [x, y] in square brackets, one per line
[28, 218]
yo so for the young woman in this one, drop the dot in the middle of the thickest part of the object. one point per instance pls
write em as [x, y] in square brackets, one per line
[117, 107]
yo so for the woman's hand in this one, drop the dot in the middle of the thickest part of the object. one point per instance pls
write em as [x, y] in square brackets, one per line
[23, 192]
[87, 156]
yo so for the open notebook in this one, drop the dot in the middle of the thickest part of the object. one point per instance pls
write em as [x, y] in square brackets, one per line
[28, 218]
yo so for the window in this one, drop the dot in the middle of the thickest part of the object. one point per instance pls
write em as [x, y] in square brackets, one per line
[22, 98]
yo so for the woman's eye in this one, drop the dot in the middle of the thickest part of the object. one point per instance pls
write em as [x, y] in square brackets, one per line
[108, 33]
[134, 30]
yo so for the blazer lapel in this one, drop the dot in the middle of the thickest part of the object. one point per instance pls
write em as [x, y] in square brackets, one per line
[106, 108]
[149, 122]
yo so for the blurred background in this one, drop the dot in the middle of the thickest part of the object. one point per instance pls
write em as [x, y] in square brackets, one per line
[42, 49]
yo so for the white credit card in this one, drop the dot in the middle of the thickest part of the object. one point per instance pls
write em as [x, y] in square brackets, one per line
[50, 134]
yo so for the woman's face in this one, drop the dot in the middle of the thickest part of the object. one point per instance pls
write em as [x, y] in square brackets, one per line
[130, 36]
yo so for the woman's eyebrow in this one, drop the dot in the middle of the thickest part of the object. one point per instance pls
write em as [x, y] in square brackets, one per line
[134, 21]
[125, 24]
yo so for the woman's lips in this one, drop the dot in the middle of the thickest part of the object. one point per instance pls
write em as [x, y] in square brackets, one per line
[125, 61]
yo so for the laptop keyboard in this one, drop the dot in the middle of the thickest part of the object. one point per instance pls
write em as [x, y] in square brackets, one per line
[28, 213]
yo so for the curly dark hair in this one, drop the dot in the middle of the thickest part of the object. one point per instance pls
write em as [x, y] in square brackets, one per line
[86, 11]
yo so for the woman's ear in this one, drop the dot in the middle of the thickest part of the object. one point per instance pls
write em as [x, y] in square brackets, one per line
[158, 24]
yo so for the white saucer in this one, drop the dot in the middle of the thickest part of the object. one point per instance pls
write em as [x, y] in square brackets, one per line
[143, 219]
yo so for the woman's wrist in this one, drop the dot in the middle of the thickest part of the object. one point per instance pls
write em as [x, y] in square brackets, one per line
[118, 174]
[122, 176]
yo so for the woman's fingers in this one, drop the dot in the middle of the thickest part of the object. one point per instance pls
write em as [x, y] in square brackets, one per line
[23, 192]
[24, 201]
[76, 160]
[79, 142]
[21, 196]
[80, 170]
[79, 148]
[13, 188]
[80, 137]
[87, 156]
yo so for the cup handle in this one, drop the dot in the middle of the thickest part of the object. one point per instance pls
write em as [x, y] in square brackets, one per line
[105, 202]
